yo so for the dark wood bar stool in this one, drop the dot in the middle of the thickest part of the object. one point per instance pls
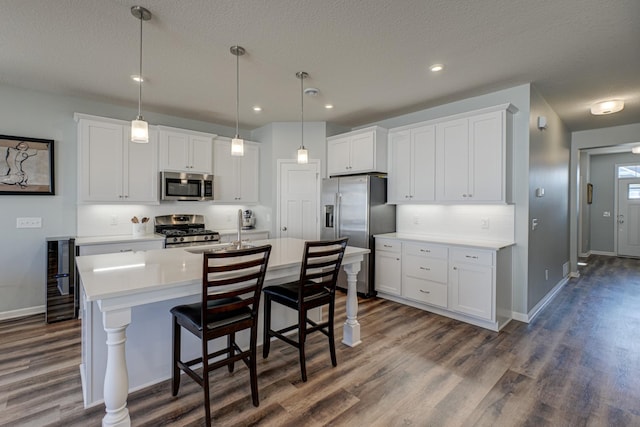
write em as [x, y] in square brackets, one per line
[315, 288]
[231, 286]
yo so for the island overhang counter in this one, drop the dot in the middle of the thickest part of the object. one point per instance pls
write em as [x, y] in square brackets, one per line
[126, 324]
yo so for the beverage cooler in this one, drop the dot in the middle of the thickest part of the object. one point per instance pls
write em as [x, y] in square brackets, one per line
[61, 287]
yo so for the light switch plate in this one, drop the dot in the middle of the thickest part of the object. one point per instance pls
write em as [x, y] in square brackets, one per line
[29, 223]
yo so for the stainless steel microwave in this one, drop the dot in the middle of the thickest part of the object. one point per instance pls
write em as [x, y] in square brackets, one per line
[186, 186]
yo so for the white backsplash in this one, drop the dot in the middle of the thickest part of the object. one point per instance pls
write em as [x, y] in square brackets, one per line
[458, 221]
[110, 220]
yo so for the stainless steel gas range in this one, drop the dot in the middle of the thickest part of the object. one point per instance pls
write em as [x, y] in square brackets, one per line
[184, 230]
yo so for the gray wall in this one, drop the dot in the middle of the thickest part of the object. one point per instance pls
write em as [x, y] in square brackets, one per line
[603, 137]
[549, 169]
[602, 171]
[40, 115]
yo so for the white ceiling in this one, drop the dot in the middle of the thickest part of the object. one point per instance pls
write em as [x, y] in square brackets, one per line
[369, 58]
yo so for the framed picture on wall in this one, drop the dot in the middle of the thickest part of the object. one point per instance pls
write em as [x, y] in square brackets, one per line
[26, 166]
[589, 193]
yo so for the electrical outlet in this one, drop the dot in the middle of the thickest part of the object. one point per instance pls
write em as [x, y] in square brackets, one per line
[114, 220]
[484, 223]
[416, 220]
[534, 224]
[606, 214]
[546, 274]
[29, 223]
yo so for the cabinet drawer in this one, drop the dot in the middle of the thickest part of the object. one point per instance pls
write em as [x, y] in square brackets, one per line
[422, 249]
[472, 256]
[425, 291]
[425, 268]
[388, 245]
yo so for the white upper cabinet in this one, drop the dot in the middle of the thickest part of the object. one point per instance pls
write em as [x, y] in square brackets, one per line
[112, 168]
[452, 160]
[235, 178]
[471, 159]
[185, 150]
[360, 151]
[412, 169]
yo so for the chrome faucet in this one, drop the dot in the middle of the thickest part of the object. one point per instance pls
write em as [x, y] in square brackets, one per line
[239, 228]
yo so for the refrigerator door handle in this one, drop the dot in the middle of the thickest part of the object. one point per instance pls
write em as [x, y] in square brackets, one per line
[338, 214]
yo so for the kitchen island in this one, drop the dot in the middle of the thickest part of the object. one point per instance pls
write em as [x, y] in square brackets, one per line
[126, 324]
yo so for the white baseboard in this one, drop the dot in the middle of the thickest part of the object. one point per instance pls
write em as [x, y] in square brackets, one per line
[605, 253]
[12, 314]
[528, 317]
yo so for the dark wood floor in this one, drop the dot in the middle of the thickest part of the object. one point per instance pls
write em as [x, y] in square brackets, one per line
[577, 364]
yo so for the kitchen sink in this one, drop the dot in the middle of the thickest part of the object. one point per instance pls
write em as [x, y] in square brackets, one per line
[219, 247]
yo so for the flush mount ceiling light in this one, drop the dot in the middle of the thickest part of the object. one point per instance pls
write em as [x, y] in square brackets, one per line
[257, 108]
[636, 149]
[237, 144]
[607, 107]
[140, 128]
[303, 154]
[328, 106]
[136, 78]
[436, 67]
[311, 91]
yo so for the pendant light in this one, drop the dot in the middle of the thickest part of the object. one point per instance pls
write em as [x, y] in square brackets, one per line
[303, 154]
[140, 128]
[237, 144]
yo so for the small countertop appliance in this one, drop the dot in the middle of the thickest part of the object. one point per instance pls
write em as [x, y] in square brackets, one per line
[248, 220]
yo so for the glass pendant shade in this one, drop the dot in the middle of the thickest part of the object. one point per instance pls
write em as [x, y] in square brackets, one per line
[139, 130]
[237, 146]
[303, 155]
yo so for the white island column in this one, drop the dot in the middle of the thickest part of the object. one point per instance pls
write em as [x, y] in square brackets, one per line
[351, 328]
[116, 377]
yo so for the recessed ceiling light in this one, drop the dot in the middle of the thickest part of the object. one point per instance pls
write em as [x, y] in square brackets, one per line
[137, 78]
[257, 108]
[328, 106]
[436, 67]
[607, 107]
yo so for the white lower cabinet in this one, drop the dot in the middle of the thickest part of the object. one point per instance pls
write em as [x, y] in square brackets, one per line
[387, 268]
[424, 273]
[469, 284]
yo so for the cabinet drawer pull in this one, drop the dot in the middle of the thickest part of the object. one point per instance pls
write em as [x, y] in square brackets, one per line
[424, 292]
[388, 246]
[425, 250]
[126, 250]
[425, 268]
[471, 256]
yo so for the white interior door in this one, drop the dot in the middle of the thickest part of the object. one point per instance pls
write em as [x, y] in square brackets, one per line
[298, 199]
[629, 217]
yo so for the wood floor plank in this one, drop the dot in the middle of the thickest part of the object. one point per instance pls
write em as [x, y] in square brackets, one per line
[576, 364]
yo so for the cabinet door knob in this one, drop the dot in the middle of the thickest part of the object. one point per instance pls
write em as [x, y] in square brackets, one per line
[284, 228]
[455, 268]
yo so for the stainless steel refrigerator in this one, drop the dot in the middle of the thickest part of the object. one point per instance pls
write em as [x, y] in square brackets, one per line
[355, 207]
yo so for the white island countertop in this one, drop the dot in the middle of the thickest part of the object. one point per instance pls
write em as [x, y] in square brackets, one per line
[449, 240]
[117, 275]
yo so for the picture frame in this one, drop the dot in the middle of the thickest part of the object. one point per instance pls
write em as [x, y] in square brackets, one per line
[589, 194]
[26, 166]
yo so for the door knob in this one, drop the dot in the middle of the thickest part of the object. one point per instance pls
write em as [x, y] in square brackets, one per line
[284, 228]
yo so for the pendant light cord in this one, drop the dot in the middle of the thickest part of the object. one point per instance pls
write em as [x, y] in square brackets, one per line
[302, 109]
[237, 94]
[140, 75]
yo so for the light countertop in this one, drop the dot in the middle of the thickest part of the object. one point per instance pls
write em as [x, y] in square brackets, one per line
[123, 238]
[234, 231]
[126, 274]
[449, 240]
